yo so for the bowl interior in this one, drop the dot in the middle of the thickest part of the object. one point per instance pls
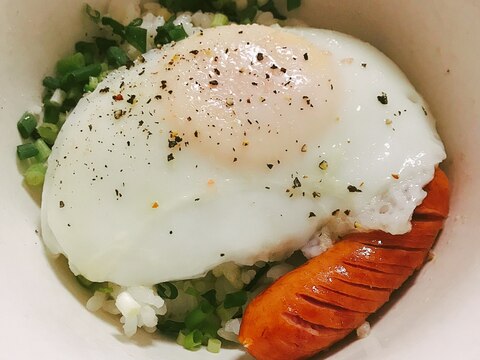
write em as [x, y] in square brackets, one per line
[433, 42]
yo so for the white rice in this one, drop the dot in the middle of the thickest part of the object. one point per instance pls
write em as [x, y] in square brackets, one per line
[363, 330]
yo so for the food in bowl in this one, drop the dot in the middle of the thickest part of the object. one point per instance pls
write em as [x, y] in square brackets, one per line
[258, 135]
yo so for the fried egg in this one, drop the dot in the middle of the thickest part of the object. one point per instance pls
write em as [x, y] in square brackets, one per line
[236, 144]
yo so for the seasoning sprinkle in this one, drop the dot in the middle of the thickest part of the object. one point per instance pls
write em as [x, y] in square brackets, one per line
[170, 157]
[61, 204]
[259, 56]
[305, 56]
[304, 148]
[383, 99]
[353, 188]
[312, 214]
[296, 183]
[323, 165]
[270, 166]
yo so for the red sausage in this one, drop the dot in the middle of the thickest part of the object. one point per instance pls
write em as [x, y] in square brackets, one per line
[321, 302]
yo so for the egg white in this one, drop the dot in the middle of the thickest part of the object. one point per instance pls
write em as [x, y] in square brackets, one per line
[213, 154]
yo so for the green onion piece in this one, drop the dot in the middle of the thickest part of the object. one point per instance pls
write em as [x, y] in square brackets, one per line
[62, 117]
[51, 83]
[211, 297]
[293, 4]
[214, 346]
[70, 63]
[116, 56]
[88, 49]
[162, 36]
[102, 287]
[219, 20]
[167, 290]
[92, 84]
[136, 22]
[103, 44]
[248, 15]
[195, 317]
[117, 28]
[235, 299]
[177, 33]
[209, 327]
[26, 151]
[84, 281]
[171, 327]
[58, 98]
[180, 338]
[193, 340]
[48, 132]
[81, 75]
[35, 174]
[51, 114]
[92, 13]
[26, 124]
[43, 150]
[137, 37]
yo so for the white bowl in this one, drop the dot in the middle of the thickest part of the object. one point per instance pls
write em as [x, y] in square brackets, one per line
[435, 316]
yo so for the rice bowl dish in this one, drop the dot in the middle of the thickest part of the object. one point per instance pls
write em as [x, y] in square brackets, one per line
[321, 219]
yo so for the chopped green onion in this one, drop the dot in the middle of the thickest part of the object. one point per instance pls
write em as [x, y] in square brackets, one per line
[84, 281]
[62, 117]
[136, 22]
[193, 340]
[51, 83]
[102, 287]
[104, 44]
[35, 174]
[209, 327]
[92, 84]
[81, 75]
[248, 15]
[26, 151]
[43, 150]
[171, 326]
[88, 50]
[92, 13]
[180, 338]
[48, 132]
[211, 297]
[58, 98]
[117, 27]
[116, 56]
[195, 317]
[219, 20]
[26, 124]
[214, 346]
[137, 37]
[167, 290]
[50, 114]
[70, 63]
[293, 4]
[177, 33]
[235, 299]
[169, 32]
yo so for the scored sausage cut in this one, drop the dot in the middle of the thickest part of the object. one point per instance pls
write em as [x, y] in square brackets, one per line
[319, 303]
